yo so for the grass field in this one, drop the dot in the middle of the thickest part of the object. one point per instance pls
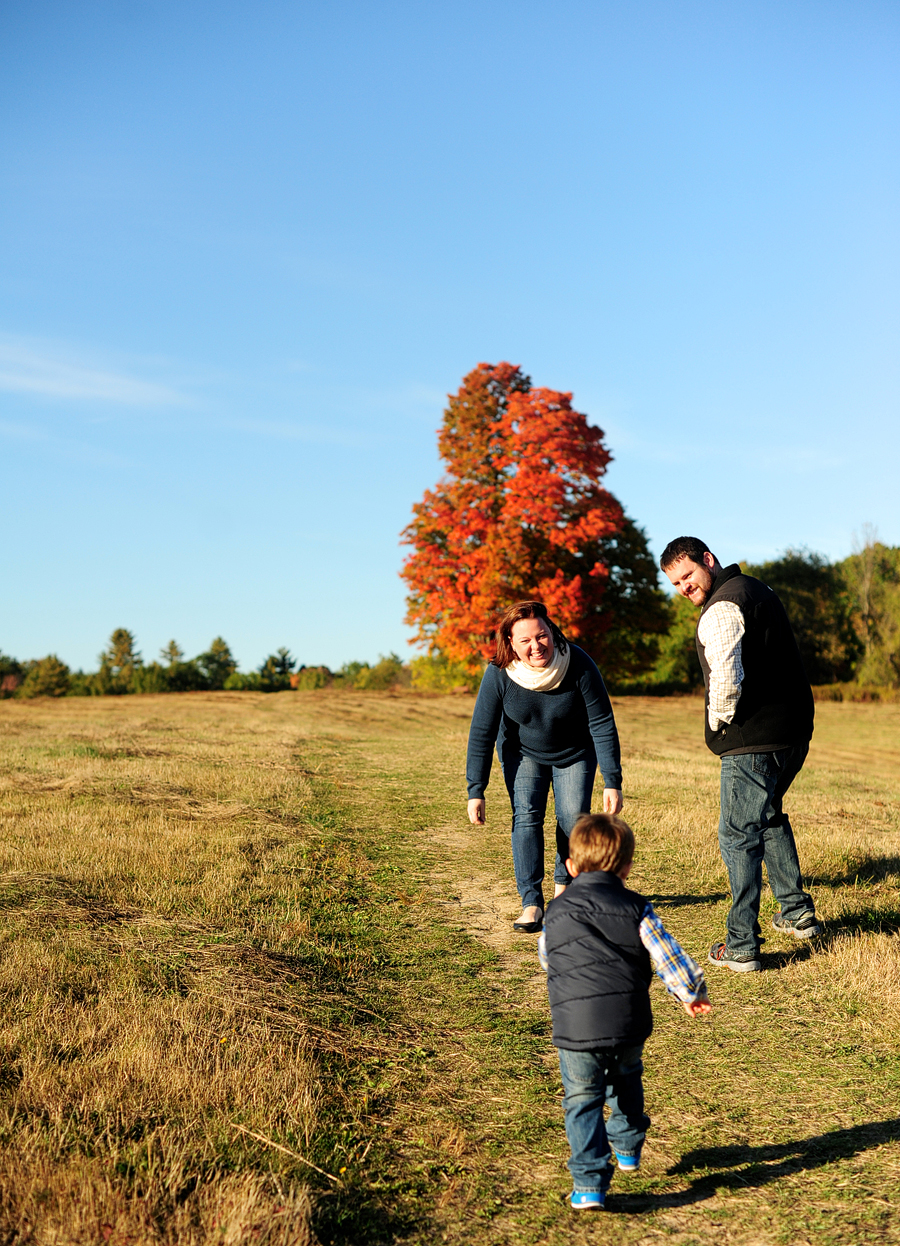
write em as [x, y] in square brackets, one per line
[259, 985]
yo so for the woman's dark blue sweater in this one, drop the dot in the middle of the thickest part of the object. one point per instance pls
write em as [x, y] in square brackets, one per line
[557, 728]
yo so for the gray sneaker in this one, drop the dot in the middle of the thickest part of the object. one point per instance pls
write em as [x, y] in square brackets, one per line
[805, 927]
[740, 962]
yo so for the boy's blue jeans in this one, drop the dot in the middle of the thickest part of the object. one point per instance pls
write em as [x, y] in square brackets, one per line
[528, 783]
[753, 828]
[592, 1078]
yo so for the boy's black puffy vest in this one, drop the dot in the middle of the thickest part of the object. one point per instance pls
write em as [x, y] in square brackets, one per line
[599, 969]
[775, 709]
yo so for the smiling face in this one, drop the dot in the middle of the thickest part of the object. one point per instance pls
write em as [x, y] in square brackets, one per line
[693, 580]
[532, 642]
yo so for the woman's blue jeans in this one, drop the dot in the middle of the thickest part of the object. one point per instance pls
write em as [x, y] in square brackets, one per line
[754, 828]
[528, 783]
[591, 1079]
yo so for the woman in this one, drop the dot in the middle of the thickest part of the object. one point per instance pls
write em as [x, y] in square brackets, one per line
[543, 703]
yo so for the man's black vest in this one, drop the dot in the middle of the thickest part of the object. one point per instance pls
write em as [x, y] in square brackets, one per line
[775, 709]
[600, 971]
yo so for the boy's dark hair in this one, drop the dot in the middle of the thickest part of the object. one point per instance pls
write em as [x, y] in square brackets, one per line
[684, 547]
[600, 841]
[522, 610]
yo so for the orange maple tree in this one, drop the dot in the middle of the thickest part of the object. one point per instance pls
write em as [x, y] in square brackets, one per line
[521, 513]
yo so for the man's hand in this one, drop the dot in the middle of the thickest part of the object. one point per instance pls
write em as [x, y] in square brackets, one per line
[612, 800]
[476, 811]
[698, 1007]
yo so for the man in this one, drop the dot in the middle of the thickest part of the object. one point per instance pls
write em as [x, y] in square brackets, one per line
[759, 720]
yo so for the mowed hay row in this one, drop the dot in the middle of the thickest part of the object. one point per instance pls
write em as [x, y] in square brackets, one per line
[160, 979]
[105, 1061]
[84, 1202]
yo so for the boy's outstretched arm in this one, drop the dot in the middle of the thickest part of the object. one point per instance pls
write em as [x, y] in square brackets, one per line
[698, 1007]
[681, 974]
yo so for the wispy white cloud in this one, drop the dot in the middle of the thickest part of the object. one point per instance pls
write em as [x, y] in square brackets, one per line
[770, 454]
[358, 418]
[48, 443]
[313, 434]
[54, 371]
[410, 401]
[21, 432]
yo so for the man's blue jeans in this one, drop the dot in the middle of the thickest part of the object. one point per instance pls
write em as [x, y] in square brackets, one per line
[754, 828]
[528, 783]
[591, 1079]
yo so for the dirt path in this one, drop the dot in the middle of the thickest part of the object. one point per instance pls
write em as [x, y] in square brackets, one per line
[485, 906]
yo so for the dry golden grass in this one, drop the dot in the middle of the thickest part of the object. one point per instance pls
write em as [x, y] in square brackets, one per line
[152, 853]
[258, 985]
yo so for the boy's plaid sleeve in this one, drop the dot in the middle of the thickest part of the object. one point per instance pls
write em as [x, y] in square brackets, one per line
[682, 976]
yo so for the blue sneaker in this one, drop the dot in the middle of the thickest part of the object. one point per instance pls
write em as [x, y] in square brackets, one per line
[587, 1200]
[628, 1163]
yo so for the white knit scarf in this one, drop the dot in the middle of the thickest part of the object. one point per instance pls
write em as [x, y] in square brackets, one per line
[546, 678]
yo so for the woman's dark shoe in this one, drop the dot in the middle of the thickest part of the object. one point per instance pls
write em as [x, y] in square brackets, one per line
[531, 921]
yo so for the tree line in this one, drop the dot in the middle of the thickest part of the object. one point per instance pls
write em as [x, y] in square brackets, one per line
[122, 671]
[845, 615]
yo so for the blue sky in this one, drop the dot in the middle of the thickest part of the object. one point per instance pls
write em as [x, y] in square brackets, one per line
[249, 248]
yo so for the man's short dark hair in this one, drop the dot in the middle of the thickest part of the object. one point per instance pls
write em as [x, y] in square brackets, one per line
[684, 547]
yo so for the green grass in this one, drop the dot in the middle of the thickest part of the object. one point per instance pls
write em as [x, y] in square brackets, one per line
[259, 985]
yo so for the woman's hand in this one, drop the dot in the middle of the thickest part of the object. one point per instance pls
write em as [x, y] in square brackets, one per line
[612, 800]
[476, 811]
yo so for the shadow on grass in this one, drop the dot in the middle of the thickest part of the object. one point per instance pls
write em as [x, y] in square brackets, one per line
[759, 1165]
[803, 951]
[866, 921]
[857, 869]
[713, 897]
[348, 1217]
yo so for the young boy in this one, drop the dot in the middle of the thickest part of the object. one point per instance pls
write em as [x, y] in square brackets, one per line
[598, 942]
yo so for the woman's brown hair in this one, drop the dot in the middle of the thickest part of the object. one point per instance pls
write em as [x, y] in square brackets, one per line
[522, 610]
